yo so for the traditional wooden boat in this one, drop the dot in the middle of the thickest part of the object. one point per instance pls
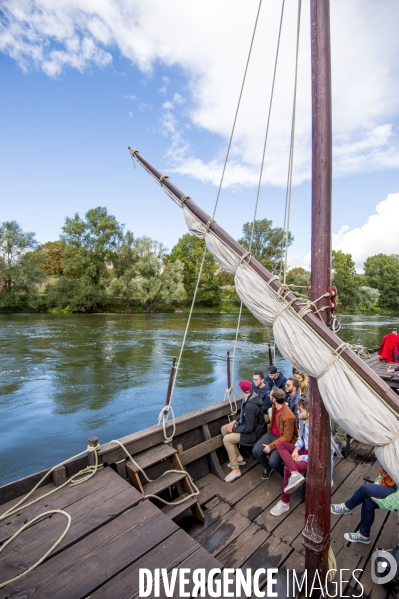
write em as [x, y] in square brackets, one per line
[118, 520]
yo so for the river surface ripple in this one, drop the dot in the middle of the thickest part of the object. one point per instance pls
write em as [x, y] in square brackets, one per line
[65, 378]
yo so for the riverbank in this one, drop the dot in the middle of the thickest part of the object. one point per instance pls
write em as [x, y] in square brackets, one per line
[227, 307]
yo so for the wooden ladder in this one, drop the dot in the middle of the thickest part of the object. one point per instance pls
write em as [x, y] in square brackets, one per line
[156, 455]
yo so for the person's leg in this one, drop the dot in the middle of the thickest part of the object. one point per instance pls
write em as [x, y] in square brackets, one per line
[301, 467]
[369, 506]
[275, 460]
[365, 491]
[226, 432]
[230, 441]
[257, 450]
[285, 450]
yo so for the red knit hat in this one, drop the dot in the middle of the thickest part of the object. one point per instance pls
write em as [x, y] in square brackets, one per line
[245, 386]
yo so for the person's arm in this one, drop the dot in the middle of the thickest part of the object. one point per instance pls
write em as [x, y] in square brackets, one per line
[288, 425]
[389, 503]
[250, 421]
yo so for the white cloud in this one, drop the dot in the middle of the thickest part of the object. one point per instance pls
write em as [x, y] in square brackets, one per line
[378, 235]
[52, 35]
[129, 97]
[168, 105]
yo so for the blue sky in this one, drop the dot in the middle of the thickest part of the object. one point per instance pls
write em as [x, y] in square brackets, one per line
[81, 82]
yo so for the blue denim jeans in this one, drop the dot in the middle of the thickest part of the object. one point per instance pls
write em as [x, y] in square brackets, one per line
[363, 497]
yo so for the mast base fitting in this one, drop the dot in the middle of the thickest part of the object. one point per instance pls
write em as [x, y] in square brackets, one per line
[315, 543]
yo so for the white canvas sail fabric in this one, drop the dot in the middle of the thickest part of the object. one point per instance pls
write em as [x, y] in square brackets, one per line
[348, 399]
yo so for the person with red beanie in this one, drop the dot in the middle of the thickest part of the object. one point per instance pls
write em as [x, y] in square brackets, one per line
[246, 430]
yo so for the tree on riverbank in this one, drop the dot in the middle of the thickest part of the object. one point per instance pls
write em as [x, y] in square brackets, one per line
[268, 243]
[19, 270]
[345, 279]
[142, 274]
[189, 250]
[382, 273]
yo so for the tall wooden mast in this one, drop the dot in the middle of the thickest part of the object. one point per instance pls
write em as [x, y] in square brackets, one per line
[316, 536]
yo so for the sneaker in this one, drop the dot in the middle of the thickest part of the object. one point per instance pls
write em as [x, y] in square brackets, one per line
[267, 474]
[230, 477]
[295, 481]
[340, 508]
[356, 537]
[280, 508]
[239, 464]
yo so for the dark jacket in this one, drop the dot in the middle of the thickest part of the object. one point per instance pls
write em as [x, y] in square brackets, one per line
[252, 425]
[292, 401]
[279, 382]
[264, 395]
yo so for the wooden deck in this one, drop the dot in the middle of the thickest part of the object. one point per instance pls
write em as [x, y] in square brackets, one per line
[380, 367]
[240, 532]
[115, 531]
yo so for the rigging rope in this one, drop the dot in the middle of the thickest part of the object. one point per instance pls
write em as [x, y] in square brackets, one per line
[163, 416]
[261, 171]
[291, 157]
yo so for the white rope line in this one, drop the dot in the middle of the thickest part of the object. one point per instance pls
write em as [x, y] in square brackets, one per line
[337, 352]
[163, 417]
[292, 144]
[186, 474]
[24, 527]
[87, 473]
[232, 401]
[261, 168]
[216, 203]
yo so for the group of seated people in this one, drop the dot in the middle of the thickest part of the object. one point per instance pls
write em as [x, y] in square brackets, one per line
[283, 446]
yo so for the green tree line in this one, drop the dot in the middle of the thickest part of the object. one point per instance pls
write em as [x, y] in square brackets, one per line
[96, 263]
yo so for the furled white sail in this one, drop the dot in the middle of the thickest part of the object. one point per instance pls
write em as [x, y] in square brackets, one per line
[349, 400]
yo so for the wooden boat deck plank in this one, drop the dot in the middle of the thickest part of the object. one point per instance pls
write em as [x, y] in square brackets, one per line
[89, 563]
[222, 532]
[257, 500]
[271, 554]
[88, 515]
[214, 509]
[234, 492]
[197, 559]
[241, 549]
[170, 553]
[78, 499]
[152, 456]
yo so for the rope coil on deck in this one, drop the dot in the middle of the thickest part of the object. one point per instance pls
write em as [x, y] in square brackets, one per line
[86, 473]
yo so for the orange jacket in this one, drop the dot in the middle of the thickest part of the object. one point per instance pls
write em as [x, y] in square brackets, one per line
[286, 424]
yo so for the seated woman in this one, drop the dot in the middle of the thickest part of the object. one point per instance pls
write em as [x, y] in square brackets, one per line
[383, 494]
[303, 381]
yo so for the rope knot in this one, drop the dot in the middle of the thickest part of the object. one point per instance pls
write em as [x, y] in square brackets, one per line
[208, 224]
[91, 448]
[241, 260]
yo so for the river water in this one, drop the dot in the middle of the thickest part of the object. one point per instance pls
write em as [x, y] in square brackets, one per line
[65, 378]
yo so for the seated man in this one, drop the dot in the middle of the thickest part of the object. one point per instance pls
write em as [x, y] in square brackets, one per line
[293, 391]
[274, 378]
[295, 458]
[261, 389]
[383, 494]
[244, 431]
[283, 427]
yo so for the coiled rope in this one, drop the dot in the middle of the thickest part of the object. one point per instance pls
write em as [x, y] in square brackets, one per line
[78, 478]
